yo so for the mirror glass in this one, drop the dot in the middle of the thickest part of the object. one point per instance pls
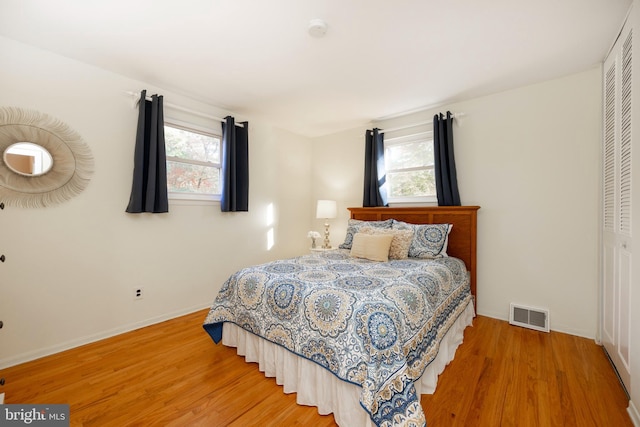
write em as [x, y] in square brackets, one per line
[28, 159]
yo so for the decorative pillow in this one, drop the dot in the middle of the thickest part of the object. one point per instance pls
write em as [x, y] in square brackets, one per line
[374, 247]
[353, 226]
[429, 240]
[400, 244]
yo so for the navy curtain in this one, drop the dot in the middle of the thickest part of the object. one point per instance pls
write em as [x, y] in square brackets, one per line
[235, 166]
[149, 188]
[445, 162]
[375, 192]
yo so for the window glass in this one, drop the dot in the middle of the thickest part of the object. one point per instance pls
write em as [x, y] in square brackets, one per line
[410, 154]
[184, 177]
[417, 183]
[191, 145]
[193, 161]
[410, 168]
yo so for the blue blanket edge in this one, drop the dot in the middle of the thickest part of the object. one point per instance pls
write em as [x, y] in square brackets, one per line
[214, 330]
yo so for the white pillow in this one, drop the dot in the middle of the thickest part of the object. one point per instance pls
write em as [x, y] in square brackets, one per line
[374, 247]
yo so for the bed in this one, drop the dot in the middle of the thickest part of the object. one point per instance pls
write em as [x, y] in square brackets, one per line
[357, 337]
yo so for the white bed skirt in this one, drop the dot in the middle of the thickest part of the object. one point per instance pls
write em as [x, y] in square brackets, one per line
[316, 386]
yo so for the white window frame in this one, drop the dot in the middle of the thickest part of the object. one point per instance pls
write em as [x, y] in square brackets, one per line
[194, 198]
[406, 139]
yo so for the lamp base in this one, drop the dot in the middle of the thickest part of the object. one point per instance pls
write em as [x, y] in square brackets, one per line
[327, 243]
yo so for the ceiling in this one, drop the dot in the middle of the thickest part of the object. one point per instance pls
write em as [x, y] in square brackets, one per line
[378, 59]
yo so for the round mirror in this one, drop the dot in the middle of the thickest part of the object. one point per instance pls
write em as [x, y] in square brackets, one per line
[44, 161]
[27, 158]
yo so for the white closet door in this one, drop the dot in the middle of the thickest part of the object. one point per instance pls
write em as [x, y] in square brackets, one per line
[616, 214]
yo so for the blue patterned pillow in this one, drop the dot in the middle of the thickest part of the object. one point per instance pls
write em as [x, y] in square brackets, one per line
[353, 226]
[429, 240]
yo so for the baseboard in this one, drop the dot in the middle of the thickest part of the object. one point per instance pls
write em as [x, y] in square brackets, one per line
[555, 328]
[633, 414]
[47, 351]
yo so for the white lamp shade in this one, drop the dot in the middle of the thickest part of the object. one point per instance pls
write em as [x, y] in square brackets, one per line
[326, 209]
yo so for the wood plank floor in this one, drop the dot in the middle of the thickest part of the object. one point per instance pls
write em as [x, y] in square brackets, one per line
[171, 374]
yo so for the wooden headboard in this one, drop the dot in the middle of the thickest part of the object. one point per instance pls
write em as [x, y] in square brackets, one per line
[463, 236]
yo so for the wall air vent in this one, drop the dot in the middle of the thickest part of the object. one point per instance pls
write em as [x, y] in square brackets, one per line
[527, 317]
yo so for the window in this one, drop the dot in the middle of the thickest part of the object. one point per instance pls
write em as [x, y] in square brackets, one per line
[193, 162]
[410, 168]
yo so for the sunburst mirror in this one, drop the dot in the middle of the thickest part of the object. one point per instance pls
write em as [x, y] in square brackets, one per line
[44, 161]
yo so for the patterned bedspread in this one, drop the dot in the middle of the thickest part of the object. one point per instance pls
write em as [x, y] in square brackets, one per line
[377, 325]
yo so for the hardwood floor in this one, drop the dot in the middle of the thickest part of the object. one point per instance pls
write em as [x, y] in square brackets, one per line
[172, 374]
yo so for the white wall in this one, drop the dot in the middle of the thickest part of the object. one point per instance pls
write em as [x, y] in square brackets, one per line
[338, 174]
[530, 158]
[71, 269]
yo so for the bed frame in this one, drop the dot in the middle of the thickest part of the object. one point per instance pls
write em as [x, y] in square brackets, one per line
[463, 236]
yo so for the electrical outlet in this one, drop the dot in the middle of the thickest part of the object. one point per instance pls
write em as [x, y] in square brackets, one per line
[137, 293]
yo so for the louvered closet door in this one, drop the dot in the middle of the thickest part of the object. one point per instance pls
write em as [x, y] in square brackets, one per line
[616, 250]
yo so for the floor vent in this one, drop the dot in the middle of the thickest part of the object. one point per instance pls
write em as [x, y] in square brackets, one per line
[527, 317]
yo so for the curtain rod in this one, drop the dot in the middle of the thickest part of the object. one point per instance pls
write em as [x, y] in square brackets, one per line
[136, 98]
[413, 125]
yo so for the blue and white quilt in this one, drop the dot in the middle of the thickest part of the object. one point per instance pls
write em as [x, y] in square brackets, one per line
[374, 324]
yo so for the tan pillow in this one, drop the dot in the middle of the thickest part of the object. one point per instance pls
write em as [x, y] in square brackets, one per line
[399, 245]
[374, 247]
